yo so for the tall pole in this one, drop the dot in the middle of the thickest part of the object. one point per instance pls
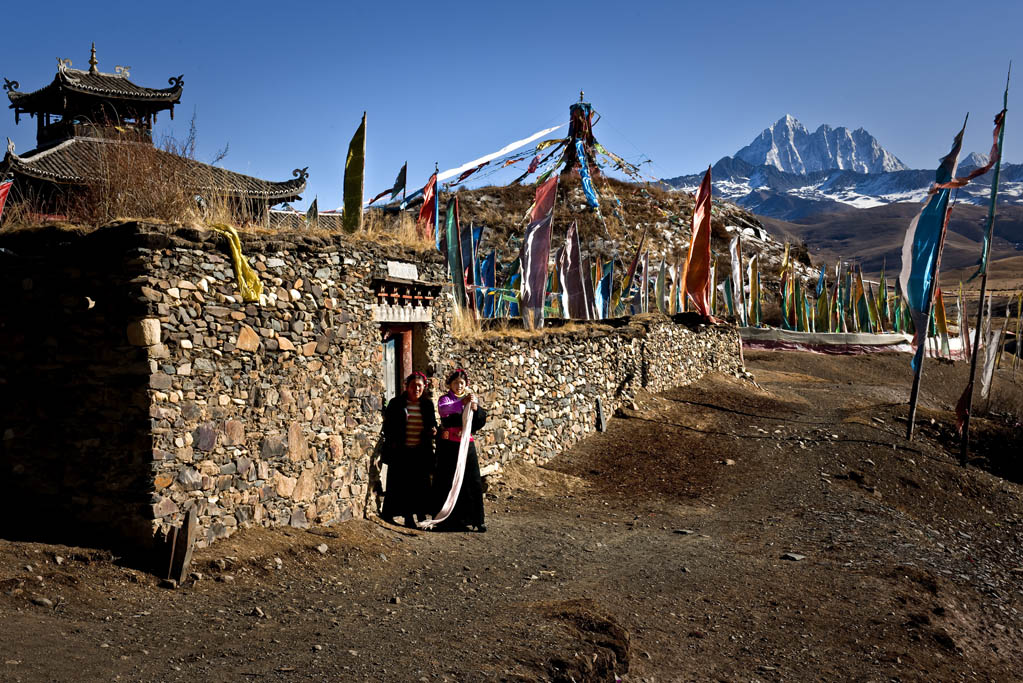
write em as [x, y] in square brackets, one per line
[964, 451]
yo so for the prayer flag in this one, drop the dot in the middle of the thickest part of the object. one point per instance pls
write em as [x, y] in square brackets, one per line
[883, 293]
[644, 285]
[427, 221]
[469, 173]
[993, 341]
[543, 204]
[5, 189]
[996, 159]
[584, 174]
[511, 147]
[659, 287]
[738, 291]
[399, 181]
[618, 304]
[514, 285]
[399, 185]
[312, 216]
[713, 286]
[588, 290]
[697, 281]
[488, 280]
[921, 251]
[753, 275]
[534, 255]
[355, 171]
[570, 272]
[941, 323]
[604, 290]
[468, 240]
[455, 267]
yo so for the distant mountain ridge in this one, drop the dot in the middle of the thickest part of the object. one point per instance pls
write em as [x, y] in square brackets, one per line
[791, 174]
[789, 146]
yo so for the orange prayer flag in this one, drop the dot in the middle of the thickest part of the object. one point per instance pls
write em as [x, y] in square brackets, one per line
[697, 274]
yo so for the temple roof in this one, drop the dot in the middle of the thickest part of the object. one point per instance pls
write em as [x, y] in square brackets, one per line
[81, 160]
[108, 86]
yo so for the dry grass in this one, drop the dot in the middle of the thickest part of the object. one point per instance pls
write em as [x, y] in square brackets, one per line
[466, 327]
[135, 184]
[398, 229]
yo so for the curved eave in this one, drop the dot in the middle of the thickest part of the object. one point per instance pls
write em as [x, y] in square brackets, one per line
[25, 101]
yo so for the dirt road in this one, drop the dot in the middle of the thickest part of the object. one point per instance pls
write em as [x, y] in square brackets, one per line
[783, 530]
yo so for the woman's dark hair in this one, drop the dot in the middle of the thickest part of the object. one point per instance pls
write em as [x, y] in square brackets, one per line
[456, 374]
[414, 376]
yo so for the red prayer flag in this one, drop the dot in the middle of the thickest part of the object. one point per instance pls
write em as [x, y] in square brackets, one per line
[698, 262]
[533, 165]
[544, 203]
[468, 173]
[5, 188]
[425, 221]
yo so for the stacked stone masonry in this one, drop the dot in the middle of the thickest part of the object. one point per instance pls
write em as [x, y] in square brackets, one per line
[177, 394]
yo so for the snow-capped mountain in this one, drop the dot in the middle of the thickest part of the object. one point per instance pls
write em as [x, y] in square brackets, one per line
[789, 146]
[789, 173]
[973, 160]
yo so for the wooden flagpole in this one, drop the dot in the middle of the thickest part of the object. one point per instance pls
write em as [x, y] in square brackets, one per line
[964, 450]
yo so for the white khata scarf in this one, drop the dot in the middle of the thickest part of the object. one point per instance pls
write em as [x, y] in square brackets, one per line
[456, 484]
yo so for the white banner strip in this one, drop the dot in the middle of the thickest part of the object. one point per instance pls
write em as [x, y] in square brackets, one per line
[499, 153]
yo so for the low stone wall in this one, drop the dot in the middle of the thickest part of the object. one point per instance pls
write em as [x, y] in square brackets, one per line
[143, 386]
[541, 392]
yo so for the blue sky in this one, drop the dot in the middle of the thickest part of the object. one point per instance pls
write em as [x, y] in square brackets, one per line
[285, 84]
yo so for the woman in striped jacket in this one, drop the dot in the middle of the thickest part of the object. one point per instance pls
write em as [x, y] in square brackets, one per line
[410, 425]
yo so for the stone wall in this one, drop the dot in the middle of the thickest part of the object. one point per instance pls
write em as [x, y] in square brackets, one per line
[160, 390]
[541, 392]
[267, 414]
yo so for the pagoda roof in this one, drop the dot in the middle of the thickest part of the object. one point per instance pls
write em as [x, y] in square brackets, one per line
[95, 83]
[81, 160]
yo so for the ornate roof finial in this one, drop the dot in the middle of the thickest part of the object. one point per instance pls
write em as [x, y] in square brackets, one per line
[92, 61]
[580, 95]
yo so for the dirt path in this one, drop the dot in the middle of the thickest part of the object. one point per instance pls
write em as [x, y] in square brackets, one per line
[656, 551]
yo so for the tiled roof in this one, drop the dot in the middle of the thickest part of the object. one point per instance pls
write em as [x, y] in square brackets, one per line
[103, 84]
[81, 160]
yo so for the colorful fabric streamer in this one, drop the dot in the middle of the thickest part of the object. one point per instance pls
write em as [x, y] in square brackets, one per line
[921, 251]
[584, 174]
[697, 282]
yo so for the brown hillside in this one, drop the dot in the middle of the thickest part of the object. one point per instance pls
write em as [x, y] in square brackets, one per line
[874, 236]
[665, 216]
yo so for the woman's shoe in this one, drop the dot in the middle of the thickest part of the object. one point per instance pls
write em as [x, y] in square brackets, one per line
[481, 528]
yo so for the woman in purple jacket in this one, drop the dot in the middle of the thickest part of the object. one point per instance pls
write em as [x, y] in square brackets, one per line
[468, 509]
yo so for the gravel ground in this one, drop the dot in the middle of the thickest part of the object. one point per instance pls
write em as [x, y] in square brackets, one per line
[777, 530]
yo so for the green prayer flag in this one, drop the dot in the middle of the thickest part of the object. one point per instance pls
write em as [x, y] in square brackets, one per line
[355, 172]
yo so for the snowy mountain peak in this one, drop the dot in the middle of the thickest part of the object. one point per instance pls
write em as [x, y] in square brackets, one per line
[789, 146]
[974, 160]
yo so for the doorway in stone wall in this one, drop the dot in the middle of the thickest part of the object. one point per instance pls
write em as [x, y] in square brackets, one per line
[397, 341]
[404, 351]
